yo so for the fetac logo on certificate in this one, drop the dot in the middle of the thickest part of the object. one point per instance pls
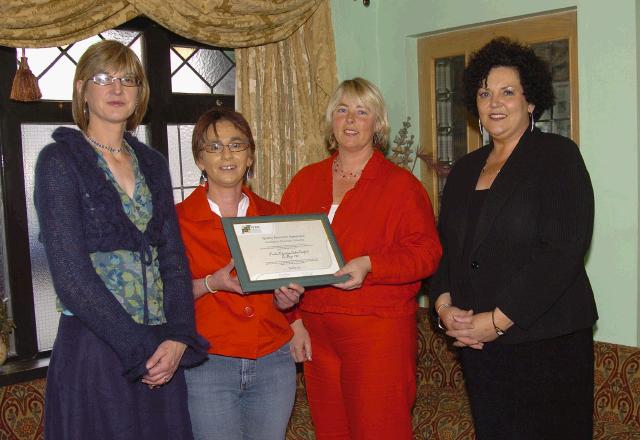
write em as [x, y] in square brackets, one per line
[256, 229]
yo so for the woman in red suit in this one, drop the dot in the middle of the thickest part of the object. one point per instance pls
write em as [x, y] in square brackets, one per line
[361, 381]
[247, 387]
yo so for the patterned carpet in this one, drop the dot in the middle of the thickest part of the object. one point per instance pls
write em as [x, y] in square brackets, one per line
[441, 411]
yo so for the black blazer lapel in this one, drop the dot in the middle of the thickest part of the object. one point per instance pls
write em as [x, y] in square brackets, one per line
[507, 181]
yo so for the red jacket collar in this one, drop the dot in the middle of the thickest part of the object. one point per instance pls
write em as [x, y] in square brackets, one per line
[196, 206]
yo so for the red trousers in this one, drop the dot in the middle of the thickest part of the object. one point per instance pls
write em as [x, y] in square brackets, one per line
[361, 383]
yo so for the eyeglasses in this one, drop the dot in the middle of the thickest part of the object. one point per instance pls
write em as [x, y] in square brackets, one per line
[104, 79]
[234, 147]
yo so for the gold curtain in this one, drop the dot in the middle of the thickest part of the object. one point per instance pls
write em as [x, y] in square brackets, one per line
[226, 23]
[285, 70]
[283, 89]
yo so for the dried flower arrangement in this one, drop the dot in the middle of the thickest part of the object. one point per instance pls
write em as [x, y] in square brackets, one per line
[6, 324]
[401, 152]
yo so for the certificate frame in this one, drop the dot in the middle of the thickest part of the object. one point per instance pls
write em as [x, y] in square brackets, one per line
[249, 285]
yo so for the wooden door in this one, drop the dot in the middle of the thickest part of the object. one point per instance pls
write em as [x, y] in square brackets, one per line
[447, 130]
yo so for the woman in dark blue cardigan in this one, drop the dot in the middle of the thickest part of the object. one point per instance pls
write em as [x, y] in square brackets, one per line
[111, 236]
[515, 224]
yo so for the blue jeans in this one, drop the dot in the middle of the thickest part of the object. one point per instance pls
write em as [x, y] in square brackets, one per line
[242, 399]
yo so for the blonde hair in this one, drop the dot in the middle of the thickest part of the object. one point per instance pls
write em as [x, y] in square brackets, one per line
[369, 96]
[103, 57]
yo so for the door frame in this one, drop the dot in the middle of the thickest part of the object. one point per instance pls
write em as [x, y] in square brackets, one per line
[529, 30]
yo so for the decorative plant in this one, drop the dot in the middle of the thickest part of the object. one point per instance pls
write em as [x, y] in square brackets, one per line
[6, 324]
[401, 151]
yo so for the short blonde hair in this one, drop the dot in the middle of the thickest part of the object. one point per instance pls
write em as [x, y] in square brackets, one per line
[369, 96]
[103, 57]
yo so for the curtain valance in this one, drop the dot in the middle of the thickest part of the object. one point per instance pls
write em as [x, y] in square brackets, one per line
[226, 23]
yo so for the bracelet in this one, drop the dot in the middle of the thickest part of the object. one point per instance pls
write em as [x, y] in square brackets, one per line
[440, 307]
[498, 330]
[206, 284]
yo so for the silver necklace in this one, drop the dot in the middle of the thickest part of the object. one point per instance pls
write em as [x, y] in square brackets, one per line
[484, 170]
[106, 147]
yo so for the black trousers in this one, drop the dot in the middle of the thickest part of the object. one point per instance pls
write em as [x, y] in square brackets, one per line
[540, 390]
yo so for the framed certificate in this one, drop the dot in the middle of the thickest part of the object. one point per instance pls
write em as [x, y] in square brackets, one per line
[273, 251]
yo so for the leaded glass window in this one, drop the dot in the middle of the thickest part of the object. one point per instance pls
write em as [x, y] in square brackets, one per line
[451, 113]
[198, 70]
[167, 127]
[558, 118]
[185, 175]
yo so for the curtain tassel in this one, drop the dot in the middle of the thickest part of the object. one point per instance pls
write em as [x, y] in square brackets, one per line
[25, 84]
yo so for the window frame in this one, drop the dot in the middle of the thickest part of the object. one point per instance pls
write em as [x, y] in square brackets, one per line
[165, 108]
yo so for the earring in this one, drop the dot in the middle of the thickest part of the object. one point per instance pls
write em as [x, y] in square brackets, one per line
[85, 110]
[332, 142]
[377, 139]
[203, 178]
[531, 116]
[248, 174]
[481, 127]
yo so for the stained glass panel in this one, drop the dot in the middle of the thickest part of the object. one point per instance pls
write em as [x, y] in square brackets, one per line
[199, 70]
[34, 138]
[451, 114]
[185, 175]
[558, 118]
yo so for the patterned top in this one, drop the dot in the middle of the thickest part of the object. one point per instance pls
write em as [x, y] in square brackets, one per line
[121, 270]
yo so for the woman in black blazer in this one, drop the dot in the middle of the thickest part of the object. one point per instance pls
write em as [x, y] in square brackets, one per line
[516, 222]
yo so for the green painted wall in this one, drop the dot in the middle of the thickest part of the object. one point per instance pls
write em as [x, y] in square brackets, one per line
[379, 43]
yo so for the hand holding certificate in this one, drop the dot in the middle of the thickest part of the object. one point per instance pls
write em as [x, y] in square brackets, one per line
[273, 251]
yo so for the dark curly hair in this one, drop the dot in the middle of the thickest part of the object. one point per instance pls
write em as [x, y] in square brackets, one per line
[535, 75]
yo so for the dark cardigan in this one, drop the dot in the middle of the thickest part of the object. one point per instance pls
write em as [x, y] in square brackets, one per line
[533, 233]
[80, 212]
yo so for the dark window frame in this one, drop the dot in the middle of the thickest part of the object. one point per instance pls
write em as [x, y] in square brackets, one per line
[165, 108]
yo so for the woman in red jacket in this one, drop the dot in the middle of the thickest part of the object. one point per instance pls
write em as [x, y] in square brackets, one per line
[247, 387]
[361, 381]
